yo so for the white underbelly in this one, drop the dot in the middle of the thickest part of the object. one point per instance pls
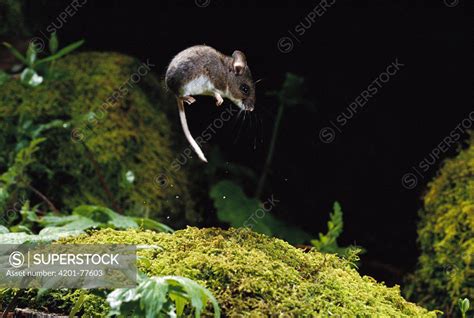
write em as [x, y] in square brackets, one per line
[199, 86]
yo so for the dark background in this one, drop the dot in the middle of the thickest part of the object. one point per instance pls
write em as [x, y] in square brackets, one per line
[342, 52]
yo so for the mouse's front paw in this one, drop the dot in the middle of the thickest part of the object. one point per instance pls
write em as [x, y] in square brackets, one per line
[188, 99]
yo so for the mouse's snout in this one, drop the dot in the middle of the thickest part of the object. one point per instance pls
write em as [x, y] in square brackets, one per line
[248, 104]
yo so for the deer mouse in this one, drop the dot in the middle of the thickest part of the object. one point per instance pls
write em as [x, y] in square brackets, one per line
[202, 70]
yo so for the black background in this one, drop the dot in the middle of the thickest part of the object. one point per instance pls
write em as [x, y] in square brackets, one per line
[342, 52]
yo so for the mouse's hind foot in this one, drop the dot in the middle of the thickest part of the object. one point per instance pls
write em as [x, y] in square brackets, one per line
[188, 99]
[219, 99]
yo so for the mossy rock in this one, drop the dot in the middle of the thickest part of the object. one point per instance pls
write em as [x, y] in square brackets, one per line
[104, 117]
[253, 275]
[446, 236]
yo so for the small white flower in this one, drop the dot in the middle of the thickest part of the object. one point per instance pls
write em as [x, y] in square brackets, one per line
[130, 176]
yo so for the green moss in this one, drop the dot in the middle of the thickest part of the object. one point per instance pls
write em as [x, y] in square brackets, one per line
[55, 301]
[446, 236]
[112, 116]
[254, 275]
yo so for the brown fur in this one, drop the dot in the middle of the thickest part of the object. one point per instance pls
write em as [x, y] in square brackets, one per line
[227, 74]
[204, 60]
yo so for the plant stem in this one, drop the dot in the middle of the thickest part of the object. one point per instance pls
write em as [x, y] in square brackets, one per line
[44, 198]
[50, 69]
[271, 150]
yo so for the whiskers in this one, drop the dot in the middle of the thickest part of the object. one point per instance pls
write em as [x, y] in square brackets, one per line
[250, 122]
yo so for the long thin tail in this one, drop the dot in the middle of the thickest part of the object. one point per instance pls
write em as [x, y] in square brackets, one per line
[187, 133]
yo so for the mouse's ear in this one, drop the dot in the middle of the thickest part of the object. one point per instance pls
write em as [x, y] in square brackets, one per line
[239, 62]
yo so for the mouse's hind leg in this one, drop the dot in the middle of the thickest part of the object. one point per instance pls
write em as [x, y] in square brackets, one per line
[188, 99]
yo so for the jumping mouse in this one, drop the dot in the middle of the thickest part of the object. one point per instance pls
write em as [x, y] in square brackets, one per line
[202, 70]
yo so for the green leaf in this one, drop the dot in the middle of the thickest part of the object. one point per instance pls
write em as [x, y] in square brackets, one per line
[328, 242]
[23, 159]
[53, 43]
[3, 229]
[68, 49]
[69, 223]
[154, 296]
[464, 305]
[39, 129]
[15, 52]
[88, 216]
[31, 55]
[149, 224]
[121, 222]
[78, 305]
[55, 233]
[235, 208]
[14, 238]
[197, 294]
[20, 228]
[106, 216]
[46, 235]
[55, 220]
[29, 77]
[180, 302]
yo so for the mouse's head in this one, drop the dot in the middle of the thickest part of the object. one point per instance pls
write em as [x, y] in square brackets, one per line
[241, 85]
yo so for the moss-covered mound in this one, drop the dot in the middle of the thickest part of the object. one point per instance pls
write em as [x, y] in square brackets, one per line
[254, 275]
[446, 236]
[107, 136]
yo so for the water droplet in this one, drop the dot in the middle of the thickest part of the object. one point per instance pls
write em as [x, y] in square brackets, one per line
[223, 197]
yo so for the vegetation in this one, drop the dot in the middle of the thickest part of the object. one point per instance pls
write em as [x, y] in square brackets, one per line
[82, 218]
[235, 208]
[464, 305]
[290, 95]
[327, 243]
[30, 75]
[446, 236]
[98, 123]
[251, 274]
[165, 296]
[101, 128]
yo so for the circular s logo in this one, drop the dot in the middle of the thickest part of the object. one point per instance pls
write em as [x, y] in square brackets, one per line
[409, 181]
[285, 44]
[327, 135]
[16, 259]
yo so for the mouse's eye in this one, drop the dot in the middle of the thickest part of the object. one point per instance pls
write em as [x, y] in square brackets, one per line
[244, 88]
